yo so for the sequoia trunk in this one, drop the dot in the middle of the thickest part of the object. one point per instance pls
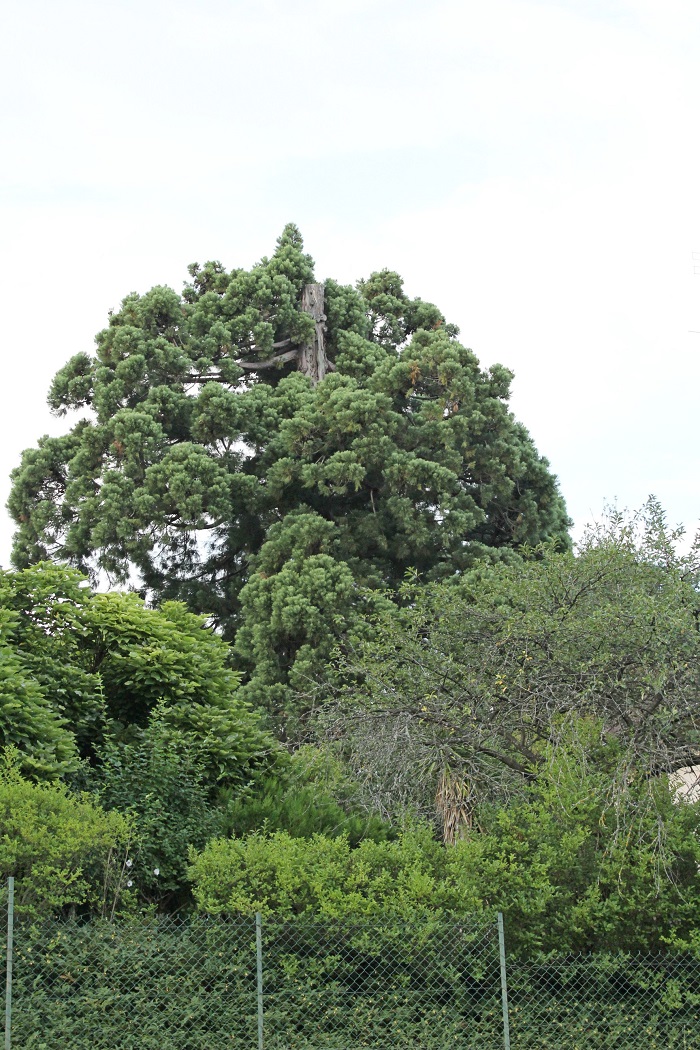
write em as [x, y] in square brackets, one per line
[312, 360]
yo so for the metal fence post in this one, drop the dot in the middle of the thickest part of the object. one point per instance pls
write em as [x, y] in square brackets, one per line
[8, 971]
[504, 983]
[258, 954]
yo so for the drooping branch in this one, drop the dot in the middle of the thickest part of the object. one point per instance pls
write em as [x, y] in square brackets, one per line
[271, 361]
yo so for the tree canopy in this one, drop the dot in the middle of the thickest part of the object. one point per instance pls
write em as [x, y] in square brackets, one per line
[272, 450]
[79, 671]
[467, 686]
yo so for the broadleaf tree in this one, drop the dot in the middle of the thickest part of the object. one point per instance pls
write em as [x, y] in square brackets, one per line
[81, 671]
[272, 451]
[470, 685]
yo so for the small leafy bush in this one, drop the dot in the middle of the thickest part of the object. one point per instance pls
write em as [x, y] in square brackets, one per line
[64, 851]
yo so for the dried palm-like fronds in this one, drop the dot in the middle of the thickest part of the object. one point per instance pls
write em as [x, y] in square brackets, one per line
[454, 804]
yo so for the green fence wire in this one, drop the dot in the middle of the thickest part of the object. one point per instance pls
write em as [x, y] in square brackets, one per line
[431, 985]
[204, 984]
[606, 1002]
[152, 986]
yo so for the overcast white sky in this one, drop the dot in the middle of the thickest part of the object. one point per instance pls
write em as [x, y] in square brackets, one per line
[531, 166]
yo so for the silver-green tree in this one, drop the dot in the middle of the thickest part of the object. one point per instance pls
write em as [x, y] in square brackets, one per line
[471, 685]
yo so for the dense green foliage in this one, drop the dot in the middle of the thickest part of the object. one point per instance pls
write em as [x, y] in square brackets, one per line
[169, 986]
[98, 668]
[62, 849]
[140, 707]
[262, 499]
[312, 794]
[28, 721]
[480, 676]
[322, 876]
[137, 705]
[604, 1001]
[172, 986]
[161, 780]
[570, 868]
[142, 986]
[164, 986]
[575, 867]
[566, 691]
[337, 522]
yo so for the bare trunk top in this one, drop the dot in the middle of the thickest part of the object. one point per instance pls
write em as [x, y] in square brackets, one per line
[311, 358]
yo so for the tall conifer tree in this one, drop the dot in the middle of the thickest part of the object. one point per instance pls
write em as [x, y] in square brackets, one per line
[272, 450]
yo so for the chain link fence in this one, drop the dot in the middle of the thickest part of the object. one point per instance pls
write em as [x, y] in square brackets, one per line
[202, 983]
[605, 1002]
[161, 985]
[380, 985]
[205, 984]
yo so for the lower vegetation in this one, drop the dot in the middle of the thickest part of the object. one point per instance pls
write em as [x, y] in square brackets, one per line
[504, 741]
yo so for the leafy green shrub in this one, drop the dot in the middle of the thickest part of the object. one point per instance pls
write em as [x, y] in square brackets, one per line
[28, 722]
[605, 1002]
[63, 850]
[380, 983]
[572, 864]
[480, 675]
[311, 794]
[145, 985]
[86, 669]
[160, 781]
[170, 985]
[285, 876]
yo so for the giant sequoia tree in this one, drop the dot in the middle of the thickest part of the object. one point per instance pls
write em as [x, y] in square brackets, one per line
[273, 450]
